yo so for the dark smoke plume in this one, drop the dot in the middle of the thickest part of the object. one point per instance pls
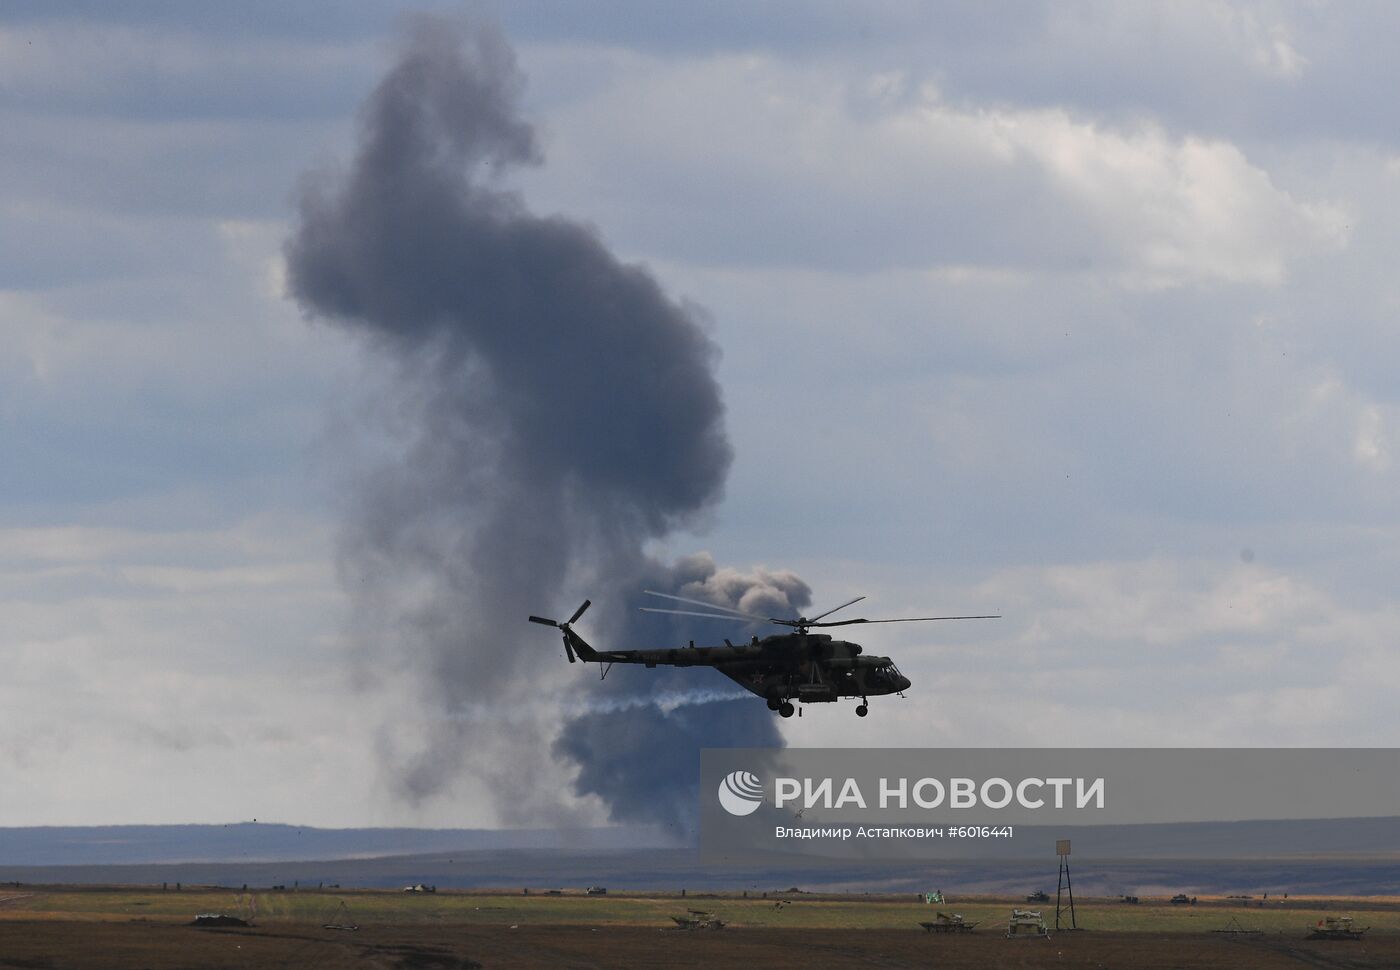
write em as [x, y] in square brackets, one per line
[558, 412]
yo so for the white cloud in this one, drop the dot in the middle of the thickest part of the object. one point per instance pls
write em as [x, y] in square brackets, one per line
[1159, 652]
[79, 66]
[1372, 447]
[1183, 210]
[860, 172]
[164, 677]
[1038, 323]
[1257, 35]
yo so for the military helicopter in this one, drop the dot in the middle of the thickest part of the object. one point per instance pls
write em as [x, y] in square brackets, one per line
[810, 668]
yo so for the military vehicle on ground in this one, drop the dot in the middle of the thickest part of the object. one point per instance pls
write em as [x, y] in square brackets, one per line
[1336, 928]
[698, 919]
[1027, 924]
[949, 923]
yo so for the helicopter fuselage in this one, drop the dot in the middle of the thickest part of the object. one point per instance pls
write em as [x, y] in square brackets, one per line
[809, 668]
[806, 667]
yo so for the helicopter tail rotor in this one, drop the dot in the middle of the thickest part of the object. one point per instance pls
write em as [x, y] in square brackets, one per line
[570, 637]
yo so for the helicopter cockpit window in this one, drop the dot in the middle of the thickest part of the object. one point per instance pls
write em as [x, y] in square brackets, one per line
[889, 673]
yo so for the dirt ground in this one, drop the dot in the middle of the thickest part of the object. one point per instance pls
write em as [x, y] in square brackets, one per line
[54, 944]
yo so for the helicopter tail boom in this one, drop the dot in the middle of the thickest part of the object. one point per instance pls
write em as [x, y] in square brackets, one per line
[575, 644]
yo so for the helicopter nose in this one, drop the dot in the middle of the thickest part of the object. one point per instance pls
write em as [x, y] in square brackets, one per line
[903, 682]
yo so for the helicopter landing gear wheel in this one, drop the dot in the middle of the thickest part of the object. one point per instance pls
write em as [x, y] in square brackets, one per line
[774, 703]
[786, 709]
[862, 710]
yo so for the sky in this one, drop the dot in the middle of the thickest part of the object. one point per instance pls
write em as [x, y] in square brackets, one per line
[1083, 314]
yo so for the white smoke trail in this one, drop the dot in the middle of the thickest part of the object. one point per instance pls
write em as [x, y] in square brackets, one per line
[666, 700]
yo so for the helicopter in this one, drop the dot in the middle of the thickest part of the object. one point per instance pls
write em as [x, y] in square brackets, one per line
[809, 668]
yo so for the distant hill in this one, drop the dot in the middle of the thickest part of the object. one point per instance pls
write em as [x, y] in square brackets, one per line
[1336, 856]
[671, 870]
[101, 845]
[1277, 839]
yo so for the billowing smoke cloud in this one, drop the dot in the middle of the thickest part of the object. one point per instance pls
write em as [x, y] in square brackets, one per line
[558, 412]
[643, 762]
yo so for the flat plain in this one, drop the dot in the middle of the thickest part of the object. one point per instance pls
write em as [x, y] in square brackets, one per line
[116, 928]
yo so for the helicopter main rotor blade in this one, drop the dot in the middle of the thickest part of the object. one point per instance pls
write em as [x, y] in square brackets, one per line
[709, 606]
[579, 612]
[912, 619]
[835, 608]
[712, 616]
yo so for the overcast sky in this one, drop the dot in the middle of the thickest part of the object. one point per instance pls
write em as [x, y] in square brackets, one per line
[1081, 313]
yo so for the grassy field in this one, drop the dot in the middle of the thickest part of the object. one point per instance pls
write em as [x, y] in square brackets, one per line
[627, 909]
[113, 927]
